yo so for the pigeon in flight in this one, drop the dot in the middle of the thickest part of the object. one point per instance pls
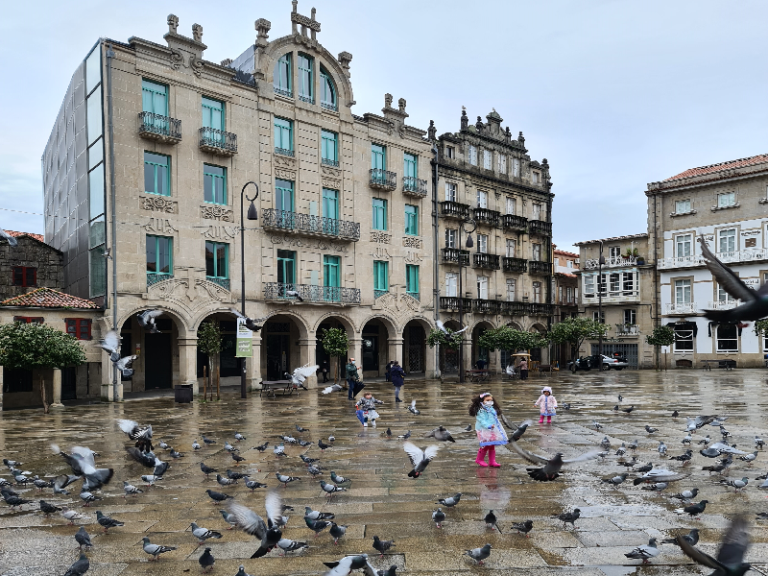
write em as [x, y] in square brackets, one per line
[479, 554]
[301, 374]
[251, 523]
[644, 553]
[250, 323]
[293, 294]
[125, 365]
[82, 463]
[552, 466]
[147, 320]
[444, 330]
[12, 242]
[730, 556]
[111, 345]
[154, 550]
[420, 459]
[659, 475]
[692, 538]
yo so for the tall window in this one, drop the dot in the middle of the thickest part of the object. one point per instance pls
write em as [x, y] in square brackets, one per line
[511, 206]
[487, 159]
[569, 294]
[482, 243]
[727, 240]
[597, 317]
[213, 114]
[450, 238]
[682, 206]
[683, 245]
[482, 199]
[723, 296]
[332, 271]
[450, 192]
[412, 280]
[411, 220]
[216, 261]
[614, 284]
[629, 285]
[157, 174]
[283, 195]
[473, 155]
[569, 263]
[502, 163]
[283, 136]
[379, 214]
[306, 79]
[683, 339]
[615, 251]
[516, 167]
[727, 338]
[286, 267]
[482, 287]
[329, 147]
[536, 211]
[80, 328]
[159, 255]
[727, 199]
[215, 184]
[537, 292]
[682, 292]
[24, 276]
[380, 277]
[630, 316]
[378, 157]
[331, 203]
[450, 152]
[410, 171]
[589, 285]
[451, 284]
[154, 98]
[536, 252]
[327, 91]
[536, 177]
[511, 287]
[282, 78]
[511, 248]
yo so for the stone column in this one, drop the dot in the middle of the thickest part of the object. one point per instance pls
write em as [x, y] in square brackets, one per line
[253, 364]
[396, 349]
[431, 367]
[307, 354]
[188, 363]
[467, 351]
[56, 401]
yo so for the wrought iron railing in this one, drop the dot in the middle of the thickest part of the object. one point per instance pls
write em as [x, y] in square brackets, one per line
[414, 186]
[282, 92]
[611, 262]
[487, 261]
[514, 264]
[539, 228]
[329, 162]
[454, 210]
[541, 268]
[540, 309]
[627, 330]
[307, 99]
[329, 106]
[312, 225]
[284, 152]
[379, 293]
[311, 293]
[455, 303]
[485, 216]
[455, 256]
[153, 278]
[681, 308]
[223, 282]
[512, 222]
[513, 308]
[159, 127]
[218, 141]
[383, 179]
[486, 306]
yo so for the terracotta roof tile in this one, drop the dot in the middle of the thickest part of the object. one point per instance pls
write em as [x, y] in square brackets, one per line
[49, 298]
[722, 166]
[612, 239]
[565, 253]
[30, 234]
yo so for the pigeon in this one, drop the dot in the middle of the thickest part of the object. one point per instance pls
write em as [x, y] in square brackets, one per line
[237, 458]
[111, 345]
[239, 437]
[646, 468]
[441, 434]
[207, 560]
[605, 443]
[12, 242]
[150, 479]
[420, 458]
[622, 450]
[331, 438]
[154, 550]
[316, 515]
[626, 410]
[730, 556]
[349, 563]
[633, 445]
[596, 425]
[300, 376]
[322, 445]
[699, 422]
[48, 509]
[650, 429]
[523, 527]
[412, 408]
[405, 436]
[621, 399]
[695, 509]
[552, 466]
[656, 487]
[662, 448]
[387, 433]
[280, 450]
[287, 545]
[62, 481]
[293, 294]
[332, 388]
[228, 447]
[479, 554]
[339, 480]
[195, 445]
[218, 497]
[146, 459]
[569, 517]
[203, 534]
[251, 523]
[749, 457]
[616, 480]
[129, 489]
[229, 518]
[438, 517]
[567, 406]
[692, 538]
[684, 458]
[451, 501]
[82, 463]
[727, 448]
[490, 521]
[686, 495]
[174, 454]
[718, 467]
[330, 488]
[286, 479]
[738, 485]
[208, 440]
[88, 497]
[759, 442]
[147, 320]
[382, 545]
[518, 433]
[82, 538]
[644, 553]
[70, 515]
[262, 447]
[705, 441]
[391, 571]
[80, 567]
[687, 439]
[307, 460]
[207, 469]
[444, 330]
[659, 475]
[675, 414]
[254, 325]
[236, 475]
[337, 531]
[106, 522]
[305, 443]
[40, 483]
[124, 365]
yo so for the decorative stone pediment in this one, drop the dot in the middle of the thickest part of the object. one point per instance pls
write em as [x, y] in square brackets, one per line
[185, 51]
[220, 213]
[189, 290]
[397, 304]
[412, 242]
[159, 204]
[284, 162]
[311, 243]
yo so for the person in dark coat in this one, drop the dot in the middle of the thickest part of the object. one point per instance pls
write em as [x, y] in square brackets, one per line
[397, 374]
[324, 369]
[352, 378]
[388, 371]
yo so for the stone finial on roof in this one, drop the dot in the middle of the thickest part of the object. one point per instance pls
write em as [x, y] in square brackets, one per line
[262, 26]
[479, 124]
[197, 32]
[305, 23]
[432, 131]
[226, 62]
[508, 135]
[521, 138]
[388, 100]
[401, 104]
[545, 164]
[344, 59]
[173, 24]
[464, 118]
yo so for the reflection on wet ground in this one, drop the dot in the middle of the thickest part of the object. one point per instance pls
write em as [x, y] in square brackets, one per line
[382, 500]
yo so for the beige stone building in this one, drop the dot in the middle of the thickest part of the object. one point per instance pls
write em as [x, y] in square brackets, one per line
[565, 298]
[624, 285]
[342, 216]
[489, 187]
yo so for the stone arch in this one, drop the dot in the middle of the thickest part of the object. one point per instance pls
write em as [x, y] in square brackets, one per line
[388, 322]
[176, 314]
[540, 355]
[285, 344]
[415, 333]
[345, 320]
[476, 352]
[377, 347]
[301, 323]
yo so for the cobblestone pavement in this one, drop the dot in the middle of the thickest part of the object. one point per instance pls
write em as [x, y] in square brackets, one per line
[382, 500]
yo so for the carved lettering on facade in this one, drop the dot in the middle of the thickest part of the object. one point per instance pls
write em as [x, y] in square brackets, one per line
[285, 174]
[381, 237]
[159, 204]
[381, 253]
[412, 242]
[308, 243]
[220, 232]
[412, 256]
[331, 183]
[160, 225]
[219, 213]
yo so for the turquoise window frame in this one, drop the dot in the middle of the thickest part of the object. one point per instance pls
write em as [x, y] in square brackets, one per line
[283, 76]
[286, 266]
[154, 97]
[329, 146]
[380, 276]
[160, 246]
[411, 220]
[153, 167]
[306, 68]
[412, 279]
[283, 134]
[330, 221]
[410, 165]
[378, 157]
[379, 214]
[214, 114]
[216, 249]
[332, 271]
[328, 97]
[218, 185]
[284, 195]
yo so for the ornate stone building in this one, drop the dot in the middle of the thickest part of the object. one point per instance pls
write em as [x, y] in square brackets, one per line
[565, 297]
[341, 201]
[489, 186]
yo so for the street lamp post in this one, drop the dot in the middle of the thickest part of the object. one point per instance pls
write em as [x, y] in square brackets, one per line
[600, 262]
[252, 215]
[461, 291]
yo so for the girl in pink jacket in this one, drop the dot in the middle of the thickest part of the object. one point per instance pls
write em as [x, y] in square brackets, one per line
[546, 404]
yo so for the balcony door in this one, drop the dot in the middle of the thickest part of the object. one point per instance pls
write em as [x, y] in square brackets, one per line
[286, 270]
[330, 211]
[482, 287]
[213, 117]
[332, 278]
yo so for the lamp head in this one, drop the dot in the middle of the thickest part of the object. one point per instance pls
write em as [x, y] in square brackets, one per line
[470, 242]
[252, 212]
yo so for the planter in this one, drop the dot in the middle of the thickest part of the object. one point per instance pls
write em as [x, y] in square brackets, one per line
[640, 261]
[183, 393]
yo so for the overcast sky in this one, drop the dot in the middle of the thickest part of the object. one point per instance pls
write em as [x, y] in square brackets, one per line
[615, 94]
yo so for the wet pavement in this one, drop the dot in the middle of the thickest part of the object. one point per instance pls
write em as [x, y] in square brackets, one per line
[382, 500]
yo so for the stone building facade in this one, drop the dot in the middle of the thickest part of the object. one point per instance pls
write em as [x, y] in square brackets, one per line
[565, 298]
[726, 205]
[29, 265]
[341, 201]
[488, 186]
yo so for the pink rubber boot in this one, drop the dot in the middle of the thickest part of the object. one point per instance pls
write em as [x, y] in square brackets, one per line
[541, 419]
[549, 419]
[492, 457]
[480, 460]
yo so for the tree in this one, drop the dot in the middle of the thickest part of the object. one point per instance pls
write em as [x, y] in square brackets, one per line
[761, 327]
[662, 336]
[335, 343]
[575, 331]
[209, 342]
[451, 340]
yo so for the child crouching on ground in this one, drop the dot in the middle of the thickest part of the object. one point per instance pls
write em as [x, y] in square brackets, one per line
[365, 409]
[547, 404]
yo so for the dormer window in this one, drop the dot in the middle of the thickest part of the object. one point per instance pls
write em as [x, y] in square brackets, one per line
[473, 155]
[536, 177]
[450, 152]
[282, 79]
[328, 98]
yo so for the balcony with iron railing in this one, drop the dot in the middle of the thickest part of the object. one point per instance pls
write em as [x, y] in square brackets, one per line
[612, 297]
[486, 306]
[514, 264]
[309, 293]
[455, 256]
[455, 304]
[223, 282]
[306, 225]
[330, 162]
[611, 262]
[153, 278]
[680, 308]
[454, 210]
[485, 261]
[512, 222]
[539, 228]
[539, 309]
[625, 330]
[414, 187]
[513, 308]
[332, 106]
[728, 257]
[539, 268]
[382, 179]
[218, 142]
[159, 128]
[485, 216]
[283, 92]
[284, 152]
[723, 304]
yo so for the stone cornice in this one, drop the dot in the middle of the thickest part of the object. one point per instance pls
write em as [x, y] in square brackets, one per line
[732, 175]
[497, 181]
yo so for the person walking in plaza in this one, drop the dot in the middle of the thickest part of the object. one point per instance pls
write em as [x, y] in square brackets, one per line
[366, 410]
[490, 432]
[523, 369]
[546, 404]
[397, 374]
[352, 378]
[324, 369]
[388, 371]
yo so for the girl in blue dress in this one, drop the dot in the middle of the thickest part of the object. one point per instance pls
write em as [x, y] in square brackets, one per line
[490, 432]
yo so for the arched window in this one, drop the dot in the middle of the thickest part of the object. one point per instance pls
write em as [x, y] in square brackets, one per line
[327, 91]
[306, 78]
[283, 75]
